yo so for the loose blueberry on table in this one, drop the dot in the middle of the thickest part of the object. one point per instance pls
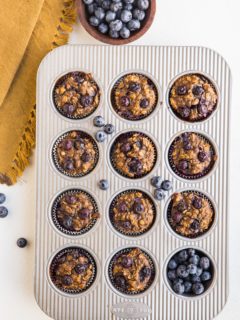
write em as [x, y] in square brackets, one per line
[100, 136]
[103, 184]
[117, 18]
[21, 242]
[161, 187]
[189, 272]
[2, 198]
[3, 212]
[98, 121]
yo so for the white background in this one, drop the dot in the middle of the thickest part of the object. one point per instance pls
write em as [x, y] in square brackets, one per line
[210, 23]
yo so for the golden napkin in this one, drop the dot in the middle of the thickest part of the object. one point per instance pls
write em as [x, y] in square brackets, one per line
[29, 30]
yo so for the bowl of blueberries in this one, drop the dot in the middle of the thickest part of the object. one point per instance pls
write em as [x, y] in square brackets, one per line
[116, 22]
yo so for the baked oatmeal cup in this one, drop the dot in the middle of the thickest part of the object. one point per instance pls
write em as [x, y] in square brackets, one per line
[73, 270]
[76, 95]
[133, 154]
[190, 214]
[193, 97]
[132, 212]
[74, 212]
[131, 271]
[191, 155]
[134, 96]
[75, 153]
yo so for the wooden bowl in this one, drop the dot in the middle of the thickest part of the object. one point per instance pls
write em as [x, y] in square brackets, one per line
[93, 31]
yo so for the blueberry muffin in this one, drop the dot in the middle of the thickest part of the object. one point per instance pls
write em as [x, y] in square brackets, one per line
[75, 153]
[73, 270]
[190, 214]
[76, 95]
[193, 97]
[132, 212]
[191, 155]
[75, 212]
[134, 97]
[131, 271]
[133, 155]
[190, 272]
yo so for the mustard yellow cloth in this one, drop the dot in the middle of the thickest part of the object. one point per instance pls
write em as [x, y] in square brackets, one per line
[29, 29]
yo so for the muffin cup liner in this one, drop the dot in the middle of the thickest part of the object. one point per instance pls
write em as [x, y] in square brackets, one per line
[197, 235]
[203, 77]
[195, 176]
[207, 284]
[54, 263]
[111, 214]
[55, 159]
[125, 135]
[72, 117]
[111, 277]
[54, 213]
[113, 102]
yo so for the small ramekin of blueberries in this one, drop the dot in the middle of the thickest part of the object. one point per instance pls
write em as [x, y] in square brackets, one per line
[190, 272]
[116, 21]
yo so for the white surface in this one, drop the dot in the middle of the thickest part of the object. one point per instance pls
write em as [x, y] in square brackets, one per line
[214, 24]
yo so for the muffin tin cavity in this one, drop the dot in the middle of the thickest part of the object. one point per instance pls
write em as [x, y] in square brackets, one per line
[134, 96]
[133, 154]
[190, 273]
[75, 154]
[190, 214]
[132, 213]
[131, 271]
[73, 270]
[193, 97]
[76, 95]
[74, 212]
[191, 155]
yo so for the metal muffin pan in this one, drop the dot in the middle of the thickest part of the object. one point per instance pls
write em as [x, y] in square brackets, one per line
[101, 301]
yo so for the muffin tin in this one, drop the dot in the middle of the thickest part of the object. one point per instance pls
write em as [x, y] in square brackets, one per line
[102, 300]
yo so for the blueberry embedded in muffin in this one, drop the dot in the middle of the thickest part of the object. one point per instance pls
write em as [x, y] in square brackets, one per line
[75, 153]
[133, 155]
[76, 95]
[75, 212]
[132, 212]
[190, 214]
[73, 270]
[134, 97]
[132, 271]
[191, 155]
[193, 97]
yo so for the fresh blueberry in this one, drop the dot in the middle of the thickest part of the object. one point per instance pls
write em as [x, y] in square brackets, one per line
[116, 6]
[128, 7]
[67, 222]
[128, 1]
[199, 271]
[139, 14]
[172, 264]
[3, 212]
[178, 288]
[156, 181]
[195, 278]
[182, 256]
[100, 136]
[109, 128]
[166, 185]
[204, 263]
[2, 198]
[99, 13]
[88, 1]
[103, 28]
[126, 16]
[94, 21]
[116, 25]
[192, 268]
[206, 276]
[125, 33]
[103, 184]
[187, 286]
[133, 25]
[172, 275]
[159, 194]
[110, 16]
[67, 280]
[143, 4]
[116, 1]
[98, 121]
[182, 271]
[191, 252]
[91, 8]
[198, 288]
[194, 259]
[106, 4]
[21, 242]
[113, 34]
